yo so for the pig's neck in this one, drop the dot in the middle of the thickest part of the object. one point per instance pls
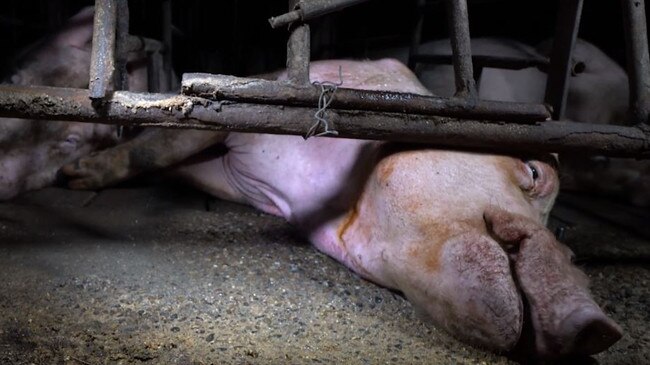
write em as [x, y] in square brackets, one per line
[348, 237]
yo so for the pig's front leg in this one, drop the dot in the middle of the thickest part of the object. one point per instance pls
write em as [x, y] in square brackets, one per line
[153, 149]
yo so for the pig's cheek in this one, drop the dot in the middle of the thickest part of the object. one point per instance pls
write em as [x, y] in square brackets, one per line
[473, 294]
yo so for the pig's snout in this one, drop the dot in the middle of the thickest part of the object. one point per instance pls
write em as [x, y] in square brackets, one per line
[565, 318]
[587, 331]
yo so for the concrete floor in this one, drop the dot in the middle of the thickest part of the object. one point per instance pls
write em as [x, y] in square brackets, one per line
[165, 275]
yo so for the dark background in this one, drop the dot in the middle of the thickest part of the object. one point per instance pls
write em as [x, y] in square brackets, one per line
[234, 37]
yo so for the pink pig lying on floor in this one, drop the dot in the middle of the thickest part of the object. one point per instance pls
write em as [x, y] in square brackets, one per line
[461, 234]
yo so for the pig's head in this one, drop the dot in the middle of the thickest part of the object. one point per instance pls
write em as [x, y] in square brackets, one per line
[462, 235]
[598, 87]
[33, 151]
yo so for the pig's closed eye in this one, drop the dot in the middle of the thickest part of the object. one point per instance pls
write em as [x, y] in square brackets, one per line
[70, 143]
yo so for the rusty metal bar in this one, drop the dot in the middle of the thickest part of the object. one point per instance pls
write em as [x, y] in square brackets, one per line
[638, 61]
[461, 49]
[298, 51]
[121, 45]
[224, 87]
[148, 45]
[102, 60]
[306, 10]
[566, 32]
[510, 63]
[178, 111]
[416, 36]
[167, 41]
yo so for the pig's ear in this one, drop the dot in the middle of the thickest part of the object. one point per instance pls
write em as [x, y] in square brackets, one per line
[566, 319]
[78, 30]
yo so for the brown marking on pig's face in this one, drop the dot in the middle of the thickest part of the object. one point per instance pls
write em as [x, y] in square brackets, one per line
[421, 228]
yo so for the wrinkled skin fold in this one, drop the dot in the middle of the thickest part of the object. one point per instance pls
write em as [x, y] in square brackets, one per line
[565, 317]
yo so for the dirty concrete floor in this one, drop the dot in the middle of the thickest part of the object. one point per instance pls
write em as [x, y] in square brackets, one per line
[165, 275]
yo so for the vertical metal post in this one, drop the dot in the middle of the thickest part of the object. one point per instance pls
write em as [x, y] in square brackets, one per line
[102, 59]
[298, 48]
[566, 32]
[416, 37]
[460, 47]
[638, 62]
[155, 78]
[121, 45]
[167, 40]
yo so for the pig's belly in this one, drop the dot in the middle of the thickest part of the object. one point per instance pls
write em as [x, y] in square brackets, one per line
[305, 181]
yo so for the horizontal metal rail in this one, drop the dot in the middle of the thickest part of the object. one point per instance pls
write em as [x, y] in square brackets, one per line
[503, 62]
[306, 10]
[179, 111]
[224, 87]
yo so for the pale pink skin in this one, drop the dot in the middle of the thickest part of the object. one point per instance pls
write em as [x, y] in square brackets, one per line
[434, 224]
[33, 151]
[416, 220]
[598, 93]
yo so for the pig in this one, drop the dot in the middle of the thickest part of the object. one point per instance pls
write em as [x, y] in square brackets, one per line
[598, 93]
[461, 234]
[33, 151]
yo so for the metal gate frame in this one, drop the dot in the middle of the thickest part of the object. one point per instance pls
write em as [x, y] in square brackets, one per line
[228, 103]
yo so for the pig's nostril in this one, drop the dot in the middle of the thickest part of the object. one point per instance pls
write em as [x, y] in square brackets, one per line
[591, 331]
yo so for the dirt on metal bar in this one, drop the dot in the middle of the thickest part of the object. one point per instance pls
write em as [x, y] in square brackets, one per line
[461, 50]
[178, 111]
[102, 60]
[224, 87]
[298, 51]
